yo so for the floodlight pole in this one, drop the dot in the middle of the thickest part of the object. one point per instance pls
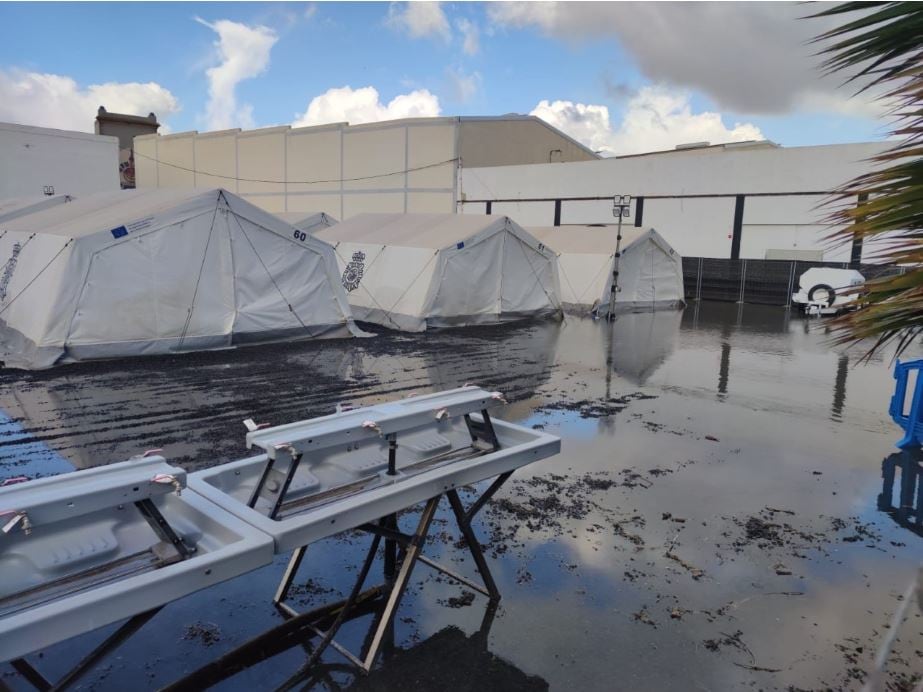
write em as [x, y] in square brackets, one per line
[621, 206]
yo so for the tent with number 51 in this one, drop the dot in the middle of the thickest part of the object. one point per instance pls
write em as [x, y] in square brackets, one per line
[151, 271]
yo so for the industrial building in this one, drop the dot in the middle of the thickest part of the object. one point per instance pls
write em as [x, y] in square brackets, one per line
[398, 166]
[747, 200]
[37, 161]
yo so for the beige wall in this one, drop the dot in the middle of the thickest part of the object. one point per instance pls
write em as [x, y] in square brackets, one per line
[406, 165]
[399, 166]
[499, 142]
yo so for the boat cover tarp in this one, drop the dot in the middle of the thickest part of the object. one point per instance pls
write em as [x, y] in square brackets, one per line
[15, 207]
[416, 271]
[309, 223]
[139, 272]
[650, 270]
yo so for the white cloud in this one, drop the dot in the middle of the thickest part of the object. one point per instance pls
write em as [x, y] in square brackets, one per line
[655, 119]
[50, 100]
[243, 53]
[471, 41]
[748, 57]
[364, 105]
[464, 87]
[419, 20]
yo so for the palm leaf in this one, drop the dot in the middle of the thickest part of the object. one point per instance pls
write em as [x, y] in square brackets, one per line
[880, 46]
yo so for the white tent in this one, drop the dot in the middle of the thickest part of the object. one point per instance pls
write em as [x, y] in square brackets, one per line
[160, 270]
[414, 271]
[650, 270]
[15, 207]
[309, 223]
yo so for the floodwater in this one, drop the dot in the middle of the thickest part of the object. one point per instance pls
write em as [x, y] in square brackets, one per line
[716, 518]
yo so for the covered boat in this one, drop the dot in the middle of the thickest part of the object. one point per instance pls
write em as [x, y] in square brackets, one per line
[650, 270]
[139, 272]
[412, 272]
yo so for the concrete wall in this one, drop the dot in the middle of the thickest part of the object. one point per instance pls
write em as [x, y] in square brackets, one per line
[524, 140]
[690, 195]
[398, 166]
[74, 163]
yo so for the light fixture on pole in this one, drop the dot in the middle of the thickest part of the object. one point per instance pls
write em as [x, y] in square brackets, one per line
[621, 208]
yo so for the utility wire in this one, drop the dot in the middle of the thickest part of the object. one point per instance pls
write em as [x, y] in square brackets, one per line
[296, 182]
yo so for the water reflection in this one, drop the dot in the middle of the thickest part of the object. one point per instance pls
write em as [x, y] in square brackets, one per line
[191, 406]
[633, 346]
[908, 510]
[639, 343]
[516, 360]
[763, 349]
[839, 387]
[449, 659]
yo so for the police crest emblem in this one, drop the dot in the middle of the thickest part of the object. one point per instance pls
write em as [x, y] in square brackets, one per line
[352, 275]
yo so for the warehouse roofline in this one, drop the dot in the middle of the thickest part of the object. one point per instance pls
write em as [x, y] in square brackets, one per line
[54, 132]
[706, 146]
[398, 122]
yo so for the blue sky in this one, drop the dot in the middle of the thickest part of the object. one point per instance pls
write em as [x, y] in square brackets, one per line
[620, 77]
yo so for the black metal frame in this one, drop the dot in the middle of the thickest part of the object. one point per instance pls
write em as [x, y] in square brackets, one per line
[108, 645]
[411, 546]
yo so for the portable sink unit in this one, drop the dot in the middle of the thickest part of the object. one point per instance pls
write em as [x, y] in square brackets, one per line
[85, 549]
[331, 474]
[89, 548]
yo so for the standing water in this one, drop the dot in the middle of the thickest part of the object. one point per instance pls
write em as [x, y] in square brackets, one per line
[719, 515]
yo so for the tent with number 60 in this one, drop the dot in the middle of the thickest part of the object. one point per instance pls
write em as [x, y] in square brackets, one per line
[149, 271]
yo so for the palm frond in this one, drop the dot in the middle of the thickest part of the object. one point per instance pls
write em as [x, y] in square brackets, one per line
[881, 47]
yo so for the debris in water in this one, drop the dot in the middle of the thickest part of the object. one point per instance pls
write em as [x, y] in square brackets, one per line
[205, 632]
[642, 616]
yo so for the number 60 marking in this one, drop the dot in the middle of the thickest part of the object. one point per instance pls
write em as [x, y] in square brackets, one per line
[300, 235]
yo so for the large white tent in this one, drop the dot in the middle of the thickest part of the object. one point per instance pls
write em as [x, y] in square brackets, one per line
[15, 207]
[650, 270]
[309, 223]
[415, 271]
[162, 270]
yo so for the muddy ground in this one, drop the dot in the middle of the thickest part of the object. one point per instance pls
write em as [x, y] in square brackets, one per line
[719, 516]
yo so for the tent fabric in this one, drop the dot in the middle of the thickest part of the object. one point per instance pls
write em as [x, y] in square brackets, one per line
[411, 272]
[15, 207]
[650, 270]
[309, 223]
[139, 272]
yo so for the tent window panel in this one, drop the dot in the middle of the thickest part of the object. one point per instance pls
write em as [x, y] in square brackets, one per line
[528, 283]
[658, 278]
[584, 277]
[271, 274]
[142, 288]
[469, 281]
[213, 302]
[31, 277]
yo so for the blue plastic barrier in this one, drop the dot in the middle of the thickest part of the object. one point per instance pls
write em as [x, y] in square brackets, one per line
[912, 423]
